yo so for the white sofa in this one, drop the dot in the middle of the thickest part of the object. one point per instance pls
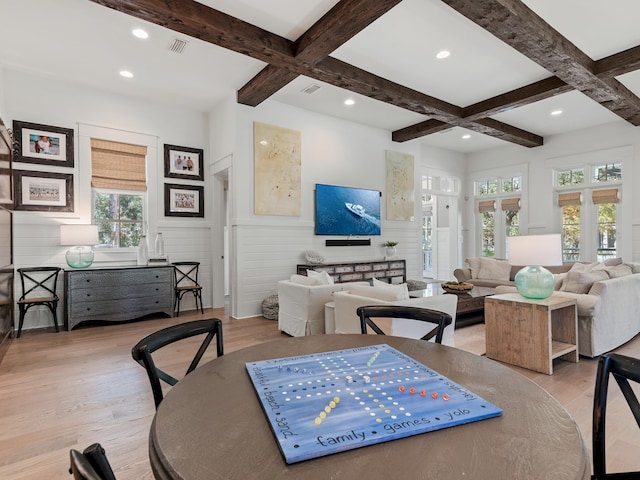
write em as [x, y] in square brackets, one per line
[608, 311]
[347, 321]
[301, 306]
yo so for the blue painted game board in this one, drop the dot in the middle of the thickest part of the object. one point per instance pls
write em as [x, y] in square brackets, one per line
[330, 402]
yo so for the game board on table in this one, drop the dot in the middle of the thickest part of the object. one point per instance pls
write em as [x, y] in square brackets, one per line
[330, 402]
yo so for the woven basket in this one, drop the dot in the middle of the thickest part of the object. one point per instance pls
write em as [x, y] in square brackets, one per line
[270, 307]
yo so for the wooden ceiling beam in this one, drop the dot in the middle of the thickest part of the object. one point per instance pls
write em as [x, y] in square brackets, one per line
[200, 21]
[522, 29]
[618, 63]
[337, 26]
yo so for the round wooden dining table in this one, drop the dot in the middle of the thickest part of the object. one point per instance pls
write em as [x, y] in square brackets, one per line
[212, 426]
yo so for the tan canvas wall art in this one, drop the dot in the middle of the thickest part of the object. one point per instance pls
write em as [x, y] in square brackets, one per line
[277, 170]
[400, 186]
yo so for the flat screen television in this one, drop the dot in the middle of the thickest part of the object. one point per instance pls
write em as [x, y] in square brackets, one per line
[347, 210]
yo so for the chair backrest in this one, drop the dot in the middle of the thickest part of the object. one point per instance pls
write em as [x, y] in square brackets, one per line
[39, 281]
[143, 350]
[186, 273]
[623, 369]
[439, 319]
[91, 464]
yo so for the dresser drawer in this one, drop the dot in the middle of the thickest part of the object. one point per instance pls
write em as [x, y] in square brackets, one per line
[124, 278]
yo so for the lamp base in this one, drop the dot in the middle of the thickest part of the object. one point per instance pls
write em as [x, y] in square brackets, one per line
[79, 257]
[535, 282]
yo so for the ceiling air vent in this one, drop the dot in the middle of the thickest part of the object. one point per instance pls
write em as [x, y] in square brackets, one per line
[311, 88]
[177, 46]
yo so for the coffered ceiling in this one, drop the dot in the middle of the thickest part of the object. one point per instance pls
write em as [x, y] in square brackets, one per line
[511, 62]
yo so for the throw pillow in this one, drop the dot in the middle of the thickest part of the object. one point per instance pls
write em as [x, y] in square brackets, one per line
[492, 269]
[474, 266]
[302, 280]
[322, 277]
[583, 267]
[581, 282]
[401, 290]
[558, 278]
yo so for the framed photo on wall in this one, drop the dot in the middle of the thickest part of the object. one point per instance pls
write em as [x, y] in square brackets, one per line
[43, 144]
[183, 162]
[183, 200]
[43, 191]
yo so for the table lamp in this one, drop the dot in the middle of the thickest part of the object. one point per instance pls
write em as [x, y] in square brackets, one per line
[83, 237]
[535, 281]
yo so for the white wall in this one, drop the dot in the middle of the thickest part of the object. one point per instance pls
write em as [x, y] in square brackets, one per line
[609, 142]
[52, 102]
[337, 152]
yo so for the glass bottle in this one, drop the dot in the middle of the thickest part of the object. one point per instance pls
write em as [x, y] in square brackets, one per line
[143, 251]
[159, 250]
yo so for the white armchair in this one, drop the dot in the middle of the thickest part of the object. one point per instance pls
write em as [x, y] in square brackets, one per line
[301, 307]
[347, 321]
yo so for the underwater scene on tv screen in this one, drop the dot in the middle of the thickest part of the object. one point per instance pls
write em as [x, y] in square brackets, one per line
[347, 211]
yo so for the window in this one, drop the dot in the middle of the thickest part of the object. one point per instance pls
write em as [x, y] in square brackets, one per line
[512, 184]
[487, 214]
[510, 209]
[570, 204]
[605, 202]
[573, 176]
[119, 217]
[496, 228]
[607, 173]
[118, 178]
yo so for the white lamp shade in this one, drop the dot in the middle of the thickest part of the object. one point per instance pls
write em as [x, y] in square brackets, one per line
[78, 235]
[541, 250]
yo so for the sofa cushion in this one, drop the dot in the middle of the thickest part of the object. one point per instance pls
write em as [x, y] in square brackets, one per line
[612, 262]
[388, 293]
[322, 277]
[620, 270]
[492, 269]
[581, 282]
[558, 278]
[303, 280]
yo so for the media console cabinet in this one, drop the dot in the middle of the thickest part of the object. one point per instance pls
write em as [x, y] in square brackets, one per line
[388, 270]
[117, 293]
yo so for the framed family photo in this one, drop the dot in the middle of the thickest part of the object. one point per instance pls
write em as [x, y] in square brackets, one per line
[43, 144]
[183, 200]
[43, 191]
[183, 162]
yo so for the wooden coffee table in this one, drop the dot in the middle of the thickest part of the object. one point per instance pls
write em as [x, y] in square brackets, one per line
[531, 333]
[470, 307]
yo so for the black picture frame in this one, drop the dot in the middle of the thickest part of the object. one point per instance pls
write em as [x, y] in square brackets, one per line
[43, 191]
[179, 164]
[27, 149]
[183, 200]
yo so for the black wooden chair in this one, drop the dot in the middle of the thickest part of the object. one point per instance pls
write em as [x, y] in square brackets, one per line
[142, 351]
[186, 280]
[90, 464]
[623, 369]
[38, 288]
[439, 319]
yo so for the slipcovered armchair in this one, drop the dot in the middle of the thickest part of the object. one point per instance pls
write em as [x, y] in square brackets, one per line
[301, 305]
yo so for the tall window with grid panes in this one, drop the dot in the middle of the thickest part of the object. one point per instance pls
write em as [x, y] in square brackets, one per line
[589, 210]
[497, 227]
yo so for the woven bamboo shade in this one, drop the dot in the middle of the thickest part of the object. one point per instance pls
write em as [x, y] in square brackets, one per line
[572, 198]
[609, 195]
[118, 166]
[510, 204]
[487, 206]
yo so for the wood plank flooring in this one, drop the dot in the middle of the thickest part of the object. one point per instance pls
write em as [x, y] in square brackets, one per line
[68, 390]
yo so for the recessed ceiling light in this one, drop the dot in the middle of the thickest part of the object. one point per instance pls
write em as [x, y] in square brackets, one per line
[443, 54]
[126, 74]
[138, 32]
[556, 112]
[349, 101]
[466, 136]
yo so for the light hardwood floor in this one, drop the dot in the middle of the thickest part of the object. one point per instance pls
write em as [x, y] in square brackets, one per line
[68, 390]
